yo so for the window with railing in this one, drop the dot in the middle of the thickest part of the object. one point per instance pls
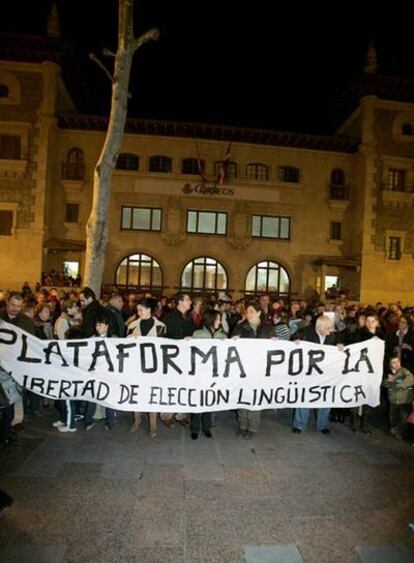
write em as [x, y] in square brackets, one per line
[336, 230]
[337, 187]
[74, 167]
[140, 219]
[396, 180]
[271, 226]
[394, 248]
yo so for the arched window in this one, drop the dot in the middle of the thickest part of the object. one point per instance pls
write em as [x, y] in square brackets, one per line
[4, 91]
[191, 166]
[127, 161]
[204, 274]
[268, 277]
[160, 164]
[257, 171]
[139, 271]
[338, 177]
[338, 189]
[407, 129]
[74, 167]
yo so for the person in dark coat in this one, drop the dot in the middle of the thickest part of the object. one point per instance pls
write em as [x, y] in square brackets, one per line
[91, 310]
[179, 325]
[320, 334]
[255, 326]
[360, 415]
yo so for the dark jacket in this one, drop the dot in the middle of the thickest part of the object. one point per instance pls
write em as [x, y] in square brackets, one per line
[264, 330]
[309, 334]
[407, 356]
[22, 321]
[177, 325]
[93, 311]
[120, 328]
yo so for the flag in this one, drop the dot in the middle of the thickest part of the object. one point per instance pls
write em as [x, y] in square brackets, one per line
[223, 175]
[200, 165]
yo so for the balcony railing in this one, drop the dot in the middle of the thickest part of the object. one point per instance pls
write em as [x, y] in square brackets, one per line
[339, 192]
[72, 171]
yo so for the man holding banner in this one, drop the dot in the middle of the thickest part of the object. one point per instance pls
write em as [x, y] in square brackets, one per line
[321, 334]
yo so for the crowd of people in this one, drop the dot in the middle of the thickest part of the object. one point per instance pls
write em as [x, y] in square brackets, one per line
[76, 314]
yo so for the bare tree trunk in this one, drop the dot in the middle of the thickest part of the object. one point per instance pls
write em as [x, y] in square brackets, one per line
[97, 232]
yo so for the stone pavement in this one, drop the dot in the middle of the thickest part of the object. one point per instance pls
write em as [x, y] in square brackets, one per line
[103, 496]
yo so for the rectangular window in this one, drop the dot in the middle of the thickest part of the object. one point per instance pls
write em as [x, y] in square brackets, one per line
[336, 230]
[271, 226]
[396, 180]
[72, 213]
[10, 147]
[140, 219]
[207, 222]
[394, 248]
[6, 223]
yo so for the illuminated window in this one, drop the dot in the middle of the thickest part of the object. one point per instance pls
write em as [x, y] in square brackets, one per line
[204, 274]
[140, 219]
[271, 226]
[139, 271]
[207, 222]
[268, 277]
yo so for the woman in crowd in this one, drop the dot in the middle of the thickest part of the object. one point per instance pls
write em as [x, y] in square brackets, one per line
[43, 322]
[253, 327]
[146, 325]
[71, 316]
[211, 329]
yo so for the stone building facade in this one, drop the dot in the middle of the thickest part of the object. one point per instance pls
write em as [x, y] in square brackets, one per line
[294, 214]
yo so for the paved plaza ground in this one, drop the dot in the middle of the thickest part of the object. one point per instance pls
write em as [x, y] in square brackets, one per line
[102, 496]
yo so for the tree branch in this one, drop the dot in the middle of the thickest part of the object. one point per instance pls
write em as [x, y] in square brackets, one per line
[150, 35]
[94, 58]
[108, 53]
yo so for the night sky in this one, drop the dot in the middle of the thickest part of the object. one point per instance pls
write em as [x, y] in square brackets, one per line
[265, 65]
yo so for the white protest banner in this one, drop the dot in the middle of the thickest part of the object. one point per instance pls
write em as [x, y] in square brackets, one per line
[157, 374]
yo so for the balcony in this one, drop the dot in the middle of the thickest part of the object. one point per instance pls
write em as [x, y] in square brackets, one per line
[338, 197]
[402, 196]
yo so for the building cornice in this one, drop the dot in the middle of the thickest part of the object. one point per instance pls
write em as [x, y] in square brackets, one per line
[213, 132]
